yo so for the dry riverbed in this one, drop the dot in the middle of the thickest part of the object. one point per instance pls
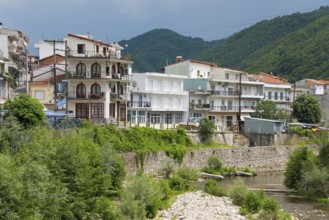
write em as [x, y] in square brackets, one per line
[199, 205]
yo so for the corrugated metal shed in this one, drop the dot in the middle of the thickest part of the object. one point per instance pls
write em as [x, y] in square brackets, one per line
[262, 126]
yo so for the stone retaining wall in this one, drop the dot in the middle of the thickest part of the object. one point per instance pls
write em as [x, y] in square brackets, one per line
[270, 158]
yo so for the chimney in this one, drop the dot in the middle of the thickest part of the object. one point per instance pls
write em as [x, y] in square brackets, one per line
[179, 59]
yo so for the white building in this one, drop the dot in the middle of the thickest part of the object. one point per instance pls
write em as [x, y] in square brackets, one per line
[98, 81]
[13, 61]
[46, 48]
[158, 100]
[313, 86]
[214, 92]
[276, 89]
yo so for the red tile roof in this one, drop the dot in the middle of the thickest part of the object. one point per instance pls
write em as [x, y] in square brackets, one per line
[268, 78]
[319, 82]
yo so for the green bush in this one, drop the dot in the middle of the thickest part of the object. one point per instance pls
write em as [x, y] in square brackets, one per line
[270, 205]
[252, 201]
[237, 193]
[214, 165]
[206, 130]
[179, 184]
[212, 187]
[187, 173]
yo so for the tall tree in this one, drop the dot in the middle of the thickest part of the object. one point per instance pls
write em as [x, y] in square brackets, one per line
[307, 109]
[27, 110]
[267, 109]
[206, 130]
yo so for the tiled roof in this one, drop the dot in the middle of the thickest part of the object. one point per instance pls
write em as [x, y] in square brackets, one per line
[319, 82]
[268, 78]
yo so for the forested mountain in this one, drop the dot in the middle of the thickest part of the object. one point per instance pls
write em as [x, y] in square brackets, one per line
[294, 46]
[253, 48]
[154, 49]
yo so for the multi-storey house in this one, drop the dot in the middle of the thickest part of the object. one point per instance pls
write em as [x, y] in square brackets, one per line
[313, 86]
[158, 100]
[276, 89]
[233, 96]
[214, 92]
[99, 78]
[13, 61]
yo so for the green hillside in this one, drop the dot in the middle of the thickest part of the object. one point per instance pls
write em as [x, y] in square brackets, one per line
[244, 45]
[301, 54]
[294, 46]
[156, 48]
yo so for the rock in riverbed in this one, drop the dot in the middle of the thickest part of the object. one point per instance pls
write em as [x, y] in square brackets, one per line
[199, 205]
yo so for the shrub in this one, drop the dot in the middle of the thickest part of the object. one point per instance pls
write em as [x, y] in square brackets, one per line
[214, 165]
[213, 188]
[237, 193]
[252, 201]
[270, 205]
[206, 130]
[178, 183]
[188, 174]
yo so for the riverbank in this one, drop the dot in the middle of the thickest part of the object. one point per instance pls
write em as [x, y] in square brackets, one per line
[200, 205]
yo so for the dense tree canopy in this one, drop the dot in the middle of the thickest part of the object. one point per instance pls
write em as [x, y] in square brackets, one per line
[307, 109]
[268, 109]
[27, 110]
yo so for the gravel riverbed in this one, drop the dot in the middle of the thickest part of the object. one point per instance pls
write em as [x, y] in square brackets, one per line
[200, 205]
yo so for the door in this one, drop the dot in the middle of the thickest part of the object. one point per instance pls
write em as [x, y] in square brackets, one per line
[82, 110]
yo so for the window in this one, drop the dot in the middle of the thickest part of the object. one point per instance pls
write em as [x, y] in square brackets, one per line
[155, 118]
[230, 91]
[82, 110]
[81, 48]
[40, 95]
[230, 105]
[141, 117]
[96, 70]
[178, 118]
[96, 89]
[227, 76]
[81, 91]
[198, 73]
[269, 95]
[104, 51]
[81, 70]
[276, 95]
[97, 110]
[97, 48]
[168, 118]
[212, 118]
[229, 121]
[236, 76]
[281, 95]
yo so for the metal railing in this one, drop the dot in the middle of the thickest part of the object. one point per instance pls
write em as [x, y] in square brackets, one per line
[87, 95]
[100, 54]
[277, 98]
[223, 93]
[101, 75]
[199, 106]
[139, 104]
[229, 108]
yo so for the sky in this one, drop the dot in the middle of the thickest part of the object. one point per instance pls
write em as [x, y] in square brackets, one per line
[116, 20]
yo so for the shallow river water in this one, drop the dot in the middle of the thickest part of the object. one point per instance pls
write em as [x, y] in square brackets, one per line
[299, 207]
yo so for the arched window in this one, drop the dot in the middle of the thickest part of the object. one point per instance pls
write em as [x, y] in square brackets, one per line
[96, 89]
[81, 91]
[96, 70]
[81, 70]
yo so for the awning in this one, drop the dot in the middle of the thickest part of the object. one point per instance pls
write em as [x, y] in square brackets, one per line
[244, 116]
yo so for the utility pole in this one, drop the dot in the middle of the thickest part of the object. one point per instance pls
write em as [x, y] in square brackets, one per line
[54, 68]
[239, 115]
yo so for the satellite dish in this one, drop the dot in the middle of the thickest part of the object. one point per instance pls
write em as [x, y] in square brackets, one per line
[134, 83]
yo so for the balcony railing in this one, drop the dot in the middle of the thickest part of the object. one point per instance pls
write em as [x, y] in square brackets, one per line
[89, 96]
[229, 108]
[200, 106]
[95, 54]
[101, 75]
[223, 93]
[139, 104]
[278, 98]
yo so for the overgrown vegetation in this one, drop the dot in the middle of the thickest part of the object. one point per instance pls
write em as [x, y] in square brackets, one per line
[206, 130]
[309, 173]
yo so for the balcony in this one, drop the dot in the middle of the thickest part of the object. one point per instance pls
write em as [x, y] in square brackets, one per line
[230, 108]
[277, 99]
[101, 75]
[223, 93]
[86, 96]
[98, 55]
[199, 106]
[138, 104]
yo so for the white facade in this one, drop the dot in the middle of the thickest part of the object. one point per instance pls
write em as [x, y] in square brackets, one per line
[158, 100]
[99, 80]
[13, 61]
[46, 49]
